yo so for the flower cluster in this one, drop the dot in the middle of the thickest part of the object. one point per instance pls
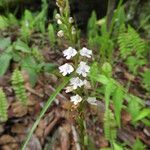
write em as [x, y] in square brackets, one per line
[80, 72]
[63, 21]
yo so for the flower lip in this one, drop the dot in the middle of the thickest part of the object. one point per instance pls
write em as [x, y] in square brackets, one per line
[83, 69]
[70, 52]
[66, 69]
[86, 52]
[76, 99]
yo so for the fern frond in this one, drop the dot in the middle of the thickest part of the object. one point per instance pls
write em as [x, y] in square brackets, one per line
[3, 106]
[18, 86]
[109, 126]
[130, 43]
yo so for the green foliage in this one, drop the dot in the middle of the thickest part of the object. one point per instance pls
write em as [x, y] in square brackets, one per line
[138, 145]
[132, 48]
[109, 126]
[118, 97]
[130, 43]
[92, 31]
[3, 22]
[33, 22]
[20, 52]
[113, 91]
[41, 18]
[3, 106]
[27, 25]
[18, 86]
[4, 43]
[4, 63]
[142, 114]
[7, 21]
[117, 146]
[138, 113]
[51, 35]
[146, 79]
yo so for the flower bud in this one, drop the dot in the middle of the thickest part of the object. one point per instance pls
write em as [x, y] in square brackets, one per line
[71, 20]
[57, 16]
[60, 33]
[59, 21]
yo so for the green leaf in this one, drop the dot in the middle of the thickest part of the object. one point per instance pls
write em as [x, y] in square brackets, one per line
[31, 69]
[107, 69]
[118, 100]
[21, 46]
[108, 91]
[49, 67]
[117, 147]
[51, 34]
[146, 78]
[138, 145]
[146, 122]
[3, 22]
[134, 107]
[4, 63]
[100, 78]
[45, 108]
[142, 114]
[4, 43]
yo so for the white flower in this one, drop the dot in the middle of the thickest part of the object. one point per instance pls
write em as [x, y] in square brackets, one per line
[83, 69]
[66, 69]
[86, 52]
[71, 20]
[87, 84]
[76, 82]
[70, 52]
[57, 16]
[69, 89]
[92, 100]
[60, 33]
[59, 21]
[76, 99]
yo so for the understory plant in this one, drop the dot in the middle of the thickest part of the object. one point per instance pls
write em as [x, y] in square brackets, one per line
[88, 78]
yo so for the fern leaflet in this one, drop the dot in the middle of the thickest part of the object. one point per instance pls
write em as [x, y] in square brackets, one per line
[18, 86]
[3, 106]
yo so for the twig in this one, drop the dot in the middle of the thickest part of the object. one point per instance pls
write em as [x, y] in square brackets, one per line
[75, 137]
